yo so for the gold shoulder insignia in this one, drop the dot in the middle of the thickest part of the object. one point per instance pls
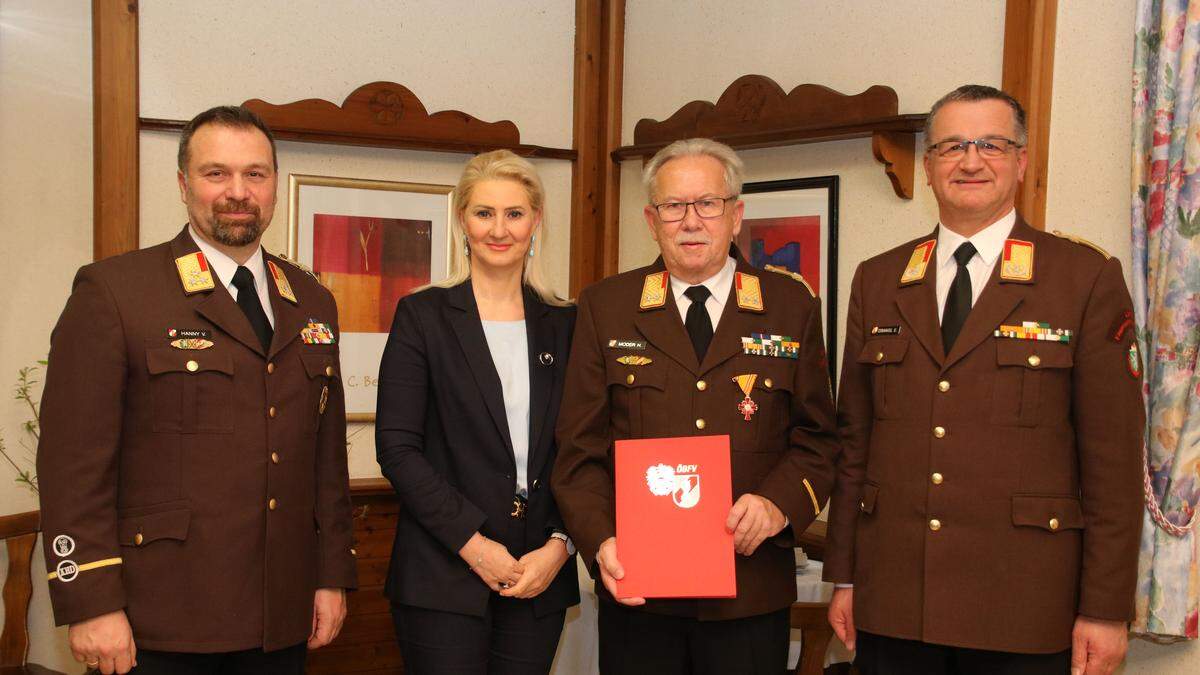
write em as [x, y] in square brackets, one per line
[194, 273]
[300, 266]
[749, 292]
[917, 262]
[281, 283]
[1016, 262]
[1082, 242]
[654, 291]
[796, 276]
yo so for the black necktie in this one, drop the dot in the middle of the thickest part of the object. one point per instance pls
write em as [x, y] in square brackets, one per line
[247, 299]
[958, 301]
[698, 323]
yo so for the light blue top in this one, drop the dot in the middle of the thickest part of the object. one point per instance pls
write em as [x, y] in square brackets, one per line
[510, 353]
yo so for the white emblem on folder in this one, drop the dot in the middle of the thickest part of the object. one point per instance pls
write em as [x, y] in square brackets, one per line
[681, 482]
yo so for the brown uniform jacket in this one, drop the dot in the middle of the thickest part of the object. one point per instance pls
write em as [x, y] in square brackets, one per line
[987, 496]
[784, 452]
[203, 490]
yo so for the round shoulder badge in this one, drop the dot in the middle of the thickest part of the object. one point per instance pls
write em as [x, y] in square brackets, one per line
[67, 570]
[1135, 360]
[63, 545]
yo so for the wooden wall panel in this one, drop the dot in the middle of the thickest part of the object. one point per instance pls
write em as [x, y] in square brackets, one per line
[595, 176]
[1029, 27]
[115, 127]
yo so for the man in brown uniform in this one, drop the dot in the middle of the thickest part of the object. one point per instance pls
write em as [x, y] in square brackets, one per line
[986, 513]
[668, 350]
[194, 490]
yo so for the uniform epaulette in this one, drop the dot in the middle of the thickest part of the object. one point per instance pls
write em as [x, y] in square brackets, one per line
[1082, 242]
[794, 275]
[300, 266]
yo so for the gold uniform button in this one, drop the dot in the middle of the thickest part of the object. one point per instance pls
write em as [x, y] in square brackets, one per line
[630, 378]
[935, 524]
[328, 371]
[274, 457]
[701, 385]
[1054, 523]
[862, 506]
[1034, 360]
[944, 386]
[272, 504]
[138, 539]
[271, 412]
[936, 478]
[939, 432]
[353, 552]
[879, 357]
[270, 368]
[768, 383]
[192, 366]
[700, 423]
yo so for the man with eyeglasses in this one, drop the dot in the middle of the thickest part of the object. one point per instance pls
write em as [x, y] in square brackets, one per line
[987, 508]
[668, 351]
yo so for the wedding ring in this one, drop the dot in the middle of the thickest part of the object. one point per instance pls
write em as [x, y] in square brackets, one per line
[503, 584]
[92, 664]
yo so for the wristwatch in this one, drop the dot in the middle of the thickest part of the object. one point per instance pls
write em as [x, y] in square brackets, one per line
[566, 540]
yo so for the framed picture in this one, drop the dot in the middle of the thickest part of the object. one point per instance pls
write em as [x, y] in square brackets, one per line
[370, 242]
[792, 224]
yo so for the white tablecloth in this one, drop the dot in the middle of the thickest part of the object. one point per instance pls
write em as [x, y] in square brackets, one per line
[578, 653]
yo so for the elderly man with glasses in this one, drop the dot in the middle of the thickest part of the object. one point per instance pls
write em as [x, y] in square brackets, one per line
[668, 351]
[987, 508]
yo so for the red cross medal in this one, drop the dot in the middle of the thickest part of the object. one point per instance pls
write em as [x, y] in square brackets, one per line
[747, 407]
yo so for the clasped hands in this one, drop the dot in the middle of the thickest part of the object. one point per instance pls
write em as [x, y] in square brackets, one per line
[524, 578]
[752, 519]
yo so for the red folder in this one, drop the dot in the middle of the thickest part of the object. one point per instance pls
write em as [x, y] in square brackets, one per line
[673, 496]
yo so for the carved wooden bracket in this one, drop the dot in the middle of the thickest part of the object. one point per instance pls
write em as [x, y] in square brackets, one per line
[388, 115]
[755, 112]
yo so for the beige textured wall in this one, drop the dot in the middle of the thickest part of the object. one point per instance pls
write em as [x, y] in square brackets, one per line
[45, 224]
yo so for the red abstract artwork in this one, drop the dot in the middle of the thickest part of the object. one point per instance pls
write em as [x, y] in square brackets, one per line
[369, 264]
[793, 243]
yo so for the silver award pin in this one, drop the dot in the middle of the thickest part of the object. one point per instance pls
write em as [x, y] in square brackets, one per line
[546, 358]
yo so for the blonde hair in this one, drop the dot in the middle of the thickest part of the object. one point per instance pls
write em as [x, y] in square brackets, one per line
[499, 165]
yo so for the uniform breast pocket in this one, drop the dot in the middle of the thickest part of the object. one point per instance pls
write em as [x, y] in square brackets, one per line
[192, 390]
[1033, 380]
[769, 408]
[633, 391]
[322, 371]
[884, 357]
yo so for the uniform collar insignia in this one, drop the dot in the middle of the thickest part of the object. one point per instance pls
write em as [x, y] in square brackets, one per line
[194, 273]
[749, 292]
[654, 291]
[918, 262]
[1017, 262]
[281, 283]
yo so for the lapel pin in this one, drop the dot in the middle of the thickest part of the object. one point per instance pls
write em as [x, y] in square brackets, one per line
[546, 358]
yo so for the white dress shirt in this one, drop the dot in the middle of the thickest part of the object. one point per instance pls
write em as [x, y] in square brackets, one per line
[989, 244]
[718, 285]
[509, 346]
[224, 267]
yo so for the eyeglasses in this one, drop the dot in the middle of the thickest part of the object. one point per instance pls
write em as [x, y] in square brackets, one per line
[988, 146]
[711, 207]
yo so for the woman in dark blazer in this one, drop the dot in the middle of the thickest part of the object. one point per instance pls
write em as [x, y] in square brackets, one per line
[482, 570]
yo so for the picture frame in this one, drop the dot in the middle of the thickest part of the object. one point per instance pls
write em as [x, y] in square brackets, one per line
[793, 223]
[370, 242]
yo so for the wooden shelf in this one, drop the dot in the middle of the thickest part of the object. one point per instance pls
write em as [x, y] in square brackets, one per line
[755, 112]
[384, 115]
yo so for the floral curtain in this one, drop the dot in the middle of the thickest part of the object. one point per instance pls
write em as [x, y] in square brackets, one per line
[1166, 295]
